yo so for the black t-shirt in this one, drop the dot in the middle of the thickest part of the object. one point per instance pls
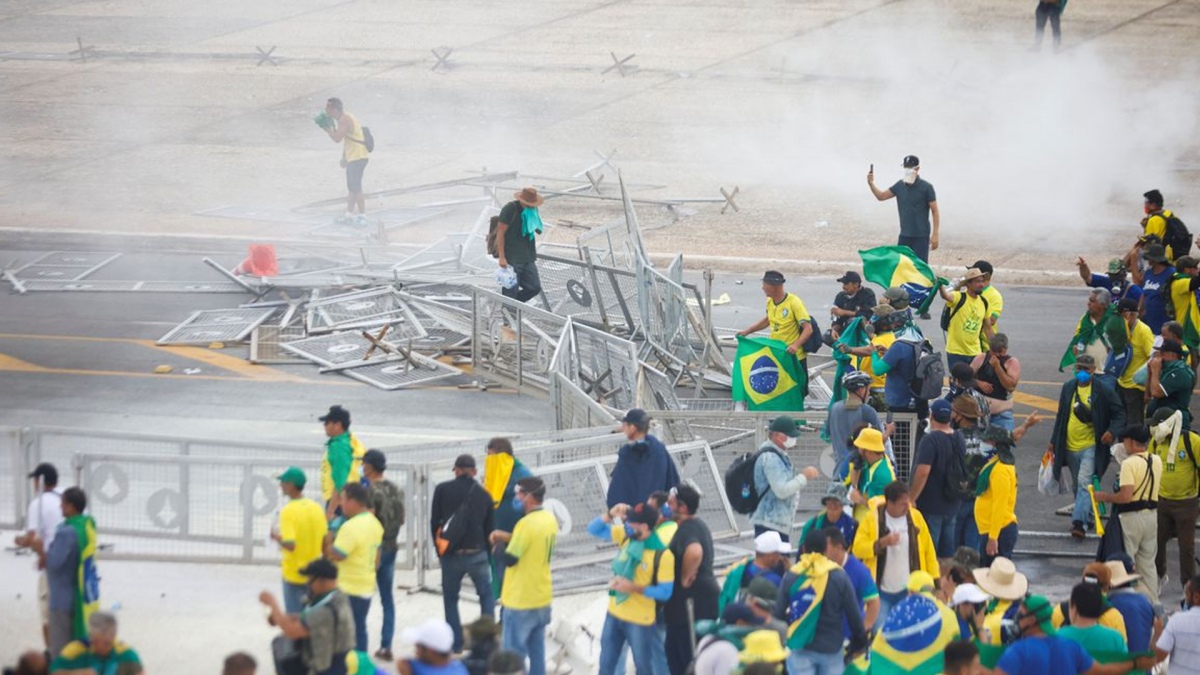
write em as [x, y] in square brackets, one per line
[861, 303]
[912, 202]
[704, 591]
[517, 247]
[936, 450]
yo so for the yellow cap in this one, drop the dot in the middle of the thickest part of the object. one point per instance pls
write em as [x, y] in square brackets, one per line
[920, 582]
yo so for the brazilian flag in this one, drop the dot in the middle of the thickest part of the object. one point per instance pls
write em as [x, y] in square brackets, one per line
[898, 266]
[913, 637]
[767, 377]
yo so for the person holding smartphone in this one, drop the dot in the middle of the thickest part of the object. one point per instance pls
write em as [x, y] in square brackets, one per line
[916, 201]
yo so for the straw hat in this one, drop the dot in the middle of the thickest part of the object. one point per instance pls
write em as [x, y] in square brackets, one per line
[870, 439]
[529, 197]
[1002, 580]
[762, 646]
[1120, 576]
[973, 273]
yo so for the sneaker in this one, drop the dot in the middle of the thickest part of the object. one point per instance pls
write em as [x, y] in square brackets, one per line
[1077, 530]
[360, 221]
[384, 655]
[925, 316]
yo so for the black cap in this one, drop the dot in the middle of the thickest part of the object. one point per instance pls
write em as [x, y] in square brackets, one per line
[375, 459]
[337, 414]
[911, 161]
[1127, 305]
[636, 417]
[1154, 197]
[850, 277]
[1172, 346]
[46, 472]
[464, 462]
[774, 278]
[1135, 432]
[983, 266]
[320, 569]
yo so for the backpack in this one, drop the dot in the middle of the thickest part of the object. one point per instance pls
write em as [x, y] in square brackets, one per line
[1177, 236]
[491, 240]
[813, 344]
[739, 482]
[368, 139]
[960, 480]
[948, 314]
[928, 373]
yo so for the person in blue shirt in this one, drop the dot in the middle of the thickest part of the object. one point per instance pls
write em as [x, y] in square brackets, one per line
[1039, 651]
[836, 549]
[1142, 619]
[1155, 281]
[1116, 282]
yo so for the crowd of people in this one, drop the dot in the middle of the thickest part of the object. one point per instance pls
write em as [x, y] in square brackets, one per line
[891, 575]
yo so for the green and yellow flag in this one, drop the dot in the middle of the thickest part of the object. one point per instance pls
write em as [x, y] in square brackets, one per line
[913, 637]
[805, 596]
[898, 266]
[87, 581]
[767, 377]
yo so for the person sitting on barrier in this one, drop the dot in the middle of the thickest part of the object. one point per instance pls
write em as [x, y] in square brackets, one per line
[323, 631]
[100, 652]
[300, 535]
[768, 562]
[643, 464]
[342, 462]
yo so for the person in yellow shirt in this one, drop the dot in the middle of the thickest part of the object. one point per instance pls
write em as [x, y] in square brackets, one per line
[996, 497]
[643, 576]
[1101, 575]
[994, 299]
[1141, 344]
[1136, 504]
[1179, 449]
[970, 319]
[1007, 587]
[300, 534]
[1155, 222]
[527, 588]
[790, 322]
[356, 550]
[355, 156]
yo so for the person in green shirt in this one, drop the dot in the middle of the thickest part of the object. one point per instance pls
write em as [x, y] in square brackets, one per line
[100, 653]
[1170, 381]
[1100, 642]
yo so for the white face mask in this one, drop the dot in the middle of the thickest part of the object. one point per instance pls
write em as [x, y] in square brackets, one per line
[789, 442]
[910, 176]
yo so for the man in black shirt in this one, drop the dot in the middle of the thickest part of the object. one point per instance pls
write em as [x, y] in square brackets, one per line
[915, 200]
[516, 244]
[696, 592]
[854, 300]
[466, 554]
[939, 447]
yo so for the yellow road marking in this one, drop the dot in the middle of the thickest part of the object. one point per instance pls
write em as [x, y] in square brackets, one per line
[233, 364]
[1039, 402]
[13, 364]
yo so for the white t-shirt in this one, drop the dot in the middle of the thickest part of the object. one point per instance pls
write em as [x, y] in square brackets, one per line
[715, 656]
[44, 516]
[895, 570]
[1181, 639]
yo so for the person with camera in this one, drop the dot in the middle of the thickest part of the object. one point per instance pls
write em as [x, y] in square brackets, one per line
[1089, 416]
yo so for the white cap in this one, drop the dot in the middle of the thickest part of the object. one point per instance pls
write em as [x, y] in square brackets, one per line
[968, 593]
[434, 634]
[785, 548]
[769, 542]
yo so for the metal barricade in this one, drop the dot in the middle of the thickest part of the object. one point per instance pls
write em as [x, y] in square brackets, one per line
[13, 469]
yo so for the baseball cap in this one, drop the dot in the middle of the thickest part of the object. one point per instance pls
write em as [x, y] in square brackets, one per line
[739, 611]
[636, 416]
[1172, 346]
[294, 475]
[911, 161]
[768, 542]
[46, 472]
[434, 634]
[1042, 610]
[320, 569]
[850, 277]
[1186, 262]
[983, 266]
[1085, 360]
[784, 425]
[762, 593]
[1155, 253]
[375, 459]
[940, 409]
[968, 593]
[1161, 415]
[1127, 305]
[464, 462]
[336, 414]
[773, 277]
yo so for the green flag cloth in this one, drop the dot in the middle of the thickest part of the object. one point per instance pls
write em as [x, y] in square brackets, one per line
[898, 266]
[1106, 329]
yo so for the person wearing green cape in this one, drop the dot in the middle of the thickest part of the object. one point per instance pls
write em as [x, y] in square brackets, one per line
[71, 572]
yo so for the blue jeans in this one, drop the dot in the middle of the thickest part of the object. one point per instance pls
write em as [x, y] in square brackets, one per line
[529, 283]
[454, 567]
[943, 532]
[1003, 419]
[1082, 465]
[384, 578]
[919, 245]
[966, 533]
[807, 662]
[360, 607]
[886, 602]
[1007, 542]
[645, 642]
[524, 632]
[293, 597]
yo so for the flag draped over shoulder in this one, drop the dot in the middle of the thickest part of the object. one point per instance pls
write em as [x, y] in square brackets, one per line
[87, 581]
[767, 377]
[898, 266]
[914, 637]
[1108, 329]
[805, 596]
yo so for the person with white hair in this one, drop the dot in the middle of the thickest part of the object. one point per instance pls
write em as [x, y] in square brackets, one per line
[102, 652]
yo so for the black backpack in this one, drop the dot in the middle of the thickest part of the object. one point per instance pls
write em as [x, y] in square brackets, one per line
[948, 313]
[928, 373]
[368, 139]
[813, 344]
[739, 482]
[1177, 236]
[960, 480]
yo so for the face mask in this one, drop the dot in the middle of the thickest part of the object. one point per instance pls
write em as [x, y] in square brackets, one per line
[1083, 377]
[789, 442]
[665, 511]
[910, 176]
[518, 505]
[630, 533]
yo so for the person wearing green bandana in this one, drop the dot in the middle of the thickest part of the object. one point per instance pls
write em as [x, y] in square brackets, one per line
[100, 653]
[1039, 651]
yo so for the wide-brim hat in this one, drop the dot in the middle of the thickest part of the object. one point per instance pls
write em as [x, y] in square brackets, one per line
[529, 197]
[1155, 253]
[1002, 580]
[973, 273]
[870, 439]
[837, 490]
[762, 646]
[1120, 575]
